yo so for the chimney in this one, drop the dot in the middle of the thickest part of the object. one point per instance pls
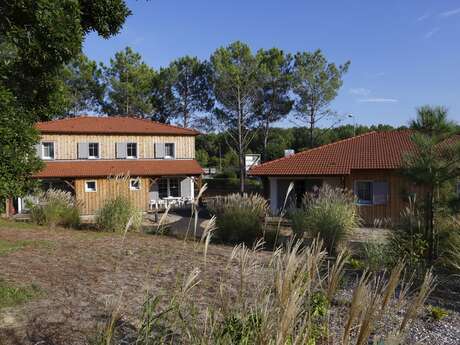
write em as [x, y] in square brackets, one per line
[288, 152]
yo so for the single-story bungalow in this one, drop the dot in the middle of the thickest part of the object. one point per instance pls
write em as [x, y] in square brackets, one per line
[368, 164]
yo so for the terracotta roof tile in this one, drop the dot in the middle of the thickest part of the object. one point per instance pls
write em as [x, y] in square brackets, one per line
[111, 125]
[374, 150]
[103, 168]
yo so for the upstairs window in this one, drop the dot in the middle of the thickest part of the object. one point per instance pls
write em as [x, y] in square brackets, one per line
[169, 150]
[48, 150]
[131, 150]
[93, 150]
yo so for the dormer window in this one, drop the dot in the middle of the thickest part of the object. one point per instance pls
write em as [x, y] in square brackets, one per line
[48, 150]
[131, 150]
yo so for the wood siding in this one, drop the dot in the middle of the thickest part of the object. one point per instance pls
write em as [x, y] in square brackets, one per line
[108, 189]
[398, 193]
[66, 145]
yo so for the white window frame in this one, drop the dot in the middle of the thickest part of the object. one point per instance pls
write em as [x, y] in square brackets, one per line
[98, 150]
[173, 149]
[356, 192]
[43, 150]
[137, 151]
[89, 190]
[168, 186]
[134, 188]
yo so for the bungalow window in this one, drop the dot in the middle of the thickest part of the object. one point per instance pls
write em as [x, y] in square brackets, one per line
[371, 192]
[90, 186]
[93, 150]
[134, 184]
[48, 150]
[364, 192]
[131, 150]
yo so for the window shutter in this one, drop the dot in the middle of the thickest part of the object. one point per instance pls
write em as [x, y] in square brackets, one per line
[186, 187]
[121, 150]
[380, 189]
[174, 150]
[38, 148]
[159, 150]
[83, 150]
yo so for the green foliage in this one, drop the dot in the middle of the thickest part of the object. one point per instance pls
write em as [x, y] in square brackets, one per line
[437, 313]
[183, 90]
[11, 295]
[356, 264]
[240, 218]
[37, 38]
[448, 228]
[83, 88]
[319, 305]
[236, 79]
[315, 83]
[239, 329]
[118, 214]
[273, 101]
[202, 157]
[55, 207]
[17, 149]
[7, 247]
[332, 216]
[128, 83]
[377, 256]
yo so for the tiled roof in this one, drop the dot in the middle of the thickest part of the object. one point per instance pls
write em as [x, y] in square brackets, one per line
[104, 168]
[374, 150]
[111, 125]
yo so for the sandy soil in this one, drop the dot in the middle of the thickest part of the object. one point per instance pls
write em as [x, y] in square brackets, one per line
[81, 272]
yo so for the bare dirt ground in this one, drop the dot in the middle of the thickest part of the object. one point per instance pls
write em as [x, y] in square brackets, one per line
[80, 272]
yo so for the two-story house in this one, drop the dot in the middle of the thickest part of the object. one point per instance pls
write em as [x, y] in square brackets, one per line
[84, 155]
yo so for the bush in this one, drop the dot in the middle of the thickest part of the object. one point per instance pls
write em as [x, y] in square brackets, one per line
[240, 218]
[437, 313]
[332, 215]
[55, 207]
[377, 256]
[408, 240]
[448, 228]
[118, 214]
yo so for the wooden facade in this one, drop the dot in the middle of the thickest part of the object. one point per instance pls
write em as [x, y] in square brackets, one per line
[110, 188]
[399, 190]
[66, 145]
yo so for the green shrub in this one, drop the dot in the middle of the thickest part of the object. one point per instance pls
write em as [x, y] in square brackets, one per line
[437, 313]
[408, 240]
[332, 215]
[55, 207]
[449, 242]
[240, 218]
[377, 256]
[356, 264]
[118, 214]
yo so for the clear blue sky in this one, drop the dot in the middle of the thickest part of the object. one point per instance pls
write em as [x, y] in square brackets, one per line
[404, 53]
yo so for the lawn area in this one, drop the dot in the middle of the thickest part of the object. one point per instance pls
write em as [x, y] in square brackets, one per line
[56, 286]
[83, 273]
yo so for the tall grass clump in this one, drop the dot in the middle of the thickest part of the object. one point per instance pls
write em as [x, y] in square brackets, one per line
[278, 300]
[55, 207]
[240, 218]
[118, 214]
[332, 215]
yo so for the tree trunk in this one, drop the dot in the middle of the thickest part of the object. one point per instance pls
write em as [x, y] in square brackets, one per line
[266, 133]
[430, 227]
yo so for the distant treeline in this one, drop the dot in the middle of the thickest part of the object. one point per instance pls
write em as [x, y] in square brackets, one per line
[212, 149]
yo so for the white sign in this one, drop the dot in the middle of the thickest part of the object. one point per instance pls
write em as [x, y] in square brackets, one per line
[251, 160]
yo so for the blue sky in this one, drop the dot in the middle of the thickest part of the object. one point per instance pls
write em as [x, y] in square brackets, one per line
[404, 53]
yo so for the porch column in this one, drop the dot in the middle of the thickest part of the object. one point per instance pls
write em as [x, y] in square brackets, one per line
[273, 193]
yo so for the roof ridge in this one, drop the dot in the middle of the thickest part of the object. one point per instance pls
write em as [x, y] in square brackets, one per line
[315, 148]
[108, 117]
